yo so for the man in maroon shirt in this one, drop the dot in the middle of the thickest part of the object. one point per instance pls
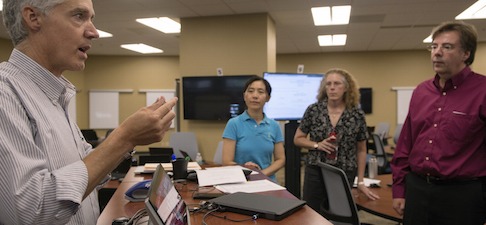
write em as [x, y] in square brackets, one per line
[439, 166]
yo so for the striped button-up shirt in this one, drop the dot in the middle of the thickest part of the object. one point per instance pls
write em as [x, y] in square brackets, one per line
[41, 149]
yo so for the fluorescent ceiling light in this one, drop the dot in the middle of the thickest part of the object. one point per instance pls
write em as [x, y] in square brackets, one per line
[104, 34]
[141, 48]
[475, 11]
[163, 24]
[335, 15]
[428, 39]
[1, 5]
[332, 40]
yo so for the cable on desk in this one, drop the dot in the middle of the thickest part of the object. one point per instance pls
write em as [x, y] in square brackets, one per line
[141, 213]
[211, 212]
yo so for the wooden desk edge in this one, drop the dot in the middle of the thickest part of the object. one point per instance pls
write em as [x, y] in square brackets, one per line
[118, 206]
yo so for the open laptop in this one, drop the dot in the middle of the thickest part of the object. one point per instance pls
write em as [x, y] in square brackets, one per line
[262, 206]
[164, 204]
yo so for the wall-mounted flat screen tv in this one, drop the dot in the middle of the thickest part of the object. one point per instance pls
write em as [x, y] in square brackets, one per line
[291, 94]
[366, 100]
[213, 97]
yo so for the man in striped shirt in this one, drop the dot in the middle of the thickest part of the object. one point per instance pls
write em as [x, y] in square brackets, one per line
[48, 171]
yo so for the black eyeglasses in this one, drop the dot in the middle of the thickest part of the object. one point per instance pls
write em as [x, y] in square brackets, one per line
[444, 47]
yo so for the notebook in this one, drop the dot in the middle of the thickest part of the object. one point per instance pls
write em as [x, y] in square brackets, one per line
[263, 206]
[164, 204]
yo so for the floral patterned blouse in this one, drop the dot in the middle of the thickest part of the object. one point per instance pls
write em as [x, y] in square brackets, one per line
[350, 129]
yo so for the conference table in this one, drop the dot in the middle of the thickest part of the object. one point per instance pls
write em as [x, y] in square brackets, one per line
[118, 206]
[381, 207]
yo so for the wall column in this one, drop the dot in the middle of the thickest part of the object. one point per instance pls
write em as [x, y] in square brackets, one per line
[239, 44]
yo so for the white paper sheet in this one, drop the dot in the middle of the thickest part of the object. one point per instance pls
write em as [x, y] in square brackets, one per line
[367, 182]
[222, 175]
[250, 187]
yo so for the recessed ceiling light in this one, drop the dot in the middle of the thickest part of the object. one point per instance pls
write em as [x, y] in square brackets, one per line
[162, 24]
[335, 15]
[104, 34]
[475, 11]
[141, 48]
[332, 40]
[428, 39]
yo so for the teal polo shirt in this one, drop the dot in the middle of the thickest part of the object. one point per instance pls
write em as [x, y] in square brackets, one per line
[254, 142]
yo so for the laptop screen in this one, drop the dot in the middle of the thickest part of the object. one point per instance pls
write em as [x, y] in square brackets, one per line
[164, 204]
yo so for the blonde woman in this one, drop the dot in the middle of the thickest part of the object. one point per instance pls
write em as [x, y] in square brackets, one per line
[334, 131]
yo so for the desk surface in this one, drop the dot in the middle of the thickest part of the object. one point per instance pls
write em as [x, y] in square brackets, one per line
[118, 206]
[381, 207]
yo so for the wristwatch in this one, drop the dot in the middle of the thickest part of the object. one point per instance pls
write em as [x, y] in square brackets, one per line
[316, 145]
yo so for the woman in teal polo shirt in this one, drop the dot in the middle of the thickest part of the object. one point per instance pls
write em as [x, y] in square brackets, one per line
[251, 139]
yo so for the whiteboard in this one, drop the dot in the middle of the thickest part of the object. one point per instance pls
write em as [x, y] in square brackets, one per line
[404, 94]
[153, 94]
[103, 109]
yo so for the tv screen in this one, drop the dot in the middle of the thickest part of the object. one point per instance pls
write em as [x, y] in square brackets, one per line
[366, 99]
[213, 97]
[292, 93]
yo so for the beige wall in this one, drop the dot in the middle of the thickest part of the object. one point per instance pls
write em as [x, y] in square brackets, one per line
[379, 70]
[5, 49]
[240, 45]
[126, 72]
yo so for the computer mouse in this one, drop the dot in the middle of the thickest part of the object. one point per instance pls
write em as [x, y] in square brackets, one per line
[138, 192]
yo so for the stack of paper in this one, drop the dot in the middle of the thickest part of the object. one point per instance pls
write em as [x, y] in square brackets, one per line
[231, 179]
[250, 187]
[220, 175]
[150, 167]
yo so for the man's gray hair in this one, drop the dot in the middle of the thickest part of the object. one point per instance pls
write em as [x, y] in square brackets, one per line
[12, 16]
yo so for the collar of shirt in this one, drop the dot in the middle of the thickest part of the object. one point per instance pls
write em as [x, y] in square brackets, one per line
[455, 81]
[245, 116]
[58, 89]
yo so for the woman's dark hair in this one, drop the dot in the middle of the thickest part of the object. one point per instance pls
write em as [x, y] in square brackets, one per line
[257, 78]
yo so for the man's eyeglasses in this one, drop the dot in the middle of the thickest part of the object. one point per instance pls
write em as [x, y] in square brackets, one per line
[444, 47]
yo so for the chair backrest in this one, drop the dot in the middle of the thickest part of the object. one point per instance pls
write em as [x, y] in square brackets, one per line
[218, 155]
[342, 209]
[382, 129]
[380, 150]
[398, 129]
[89, 134]
[161, 151]
[142, 159]
[108, 132]
[185, 141]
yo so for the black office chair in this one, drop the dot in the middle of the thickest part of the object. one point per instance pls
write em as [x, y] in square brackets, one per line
[122, 169]
[342, 209]
[161, 151]
[381, 156]
[108, 132]
[142, 159]
[396, 135]
[89, 135]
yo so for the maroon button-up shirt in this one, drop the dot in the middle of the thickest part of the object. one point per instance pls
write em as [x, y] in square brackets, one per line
[444, 134]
